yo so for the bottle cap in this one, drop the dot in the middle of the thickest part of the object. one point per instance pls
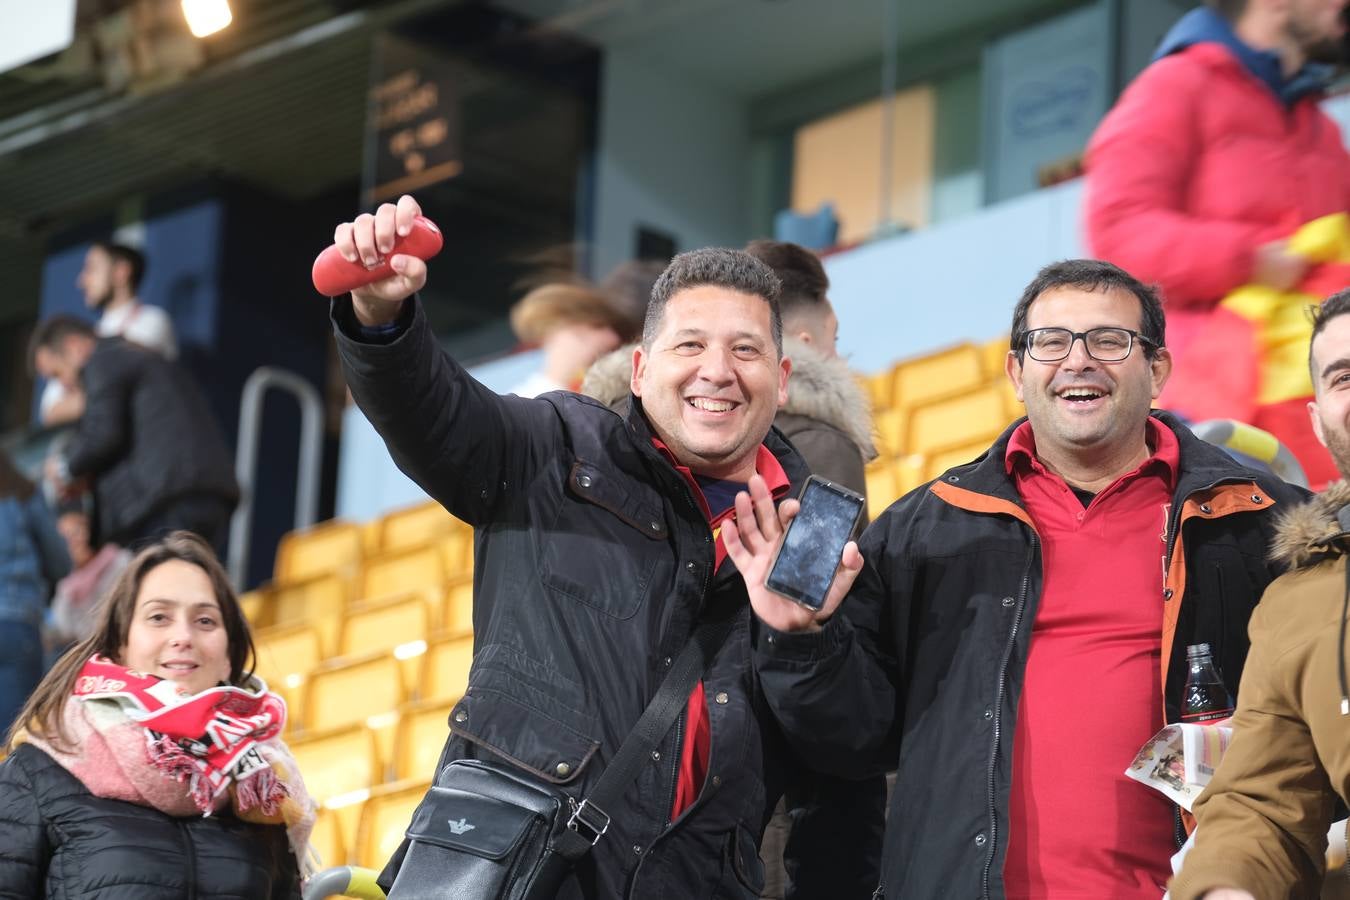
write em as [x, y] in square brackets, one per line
[1197, 650]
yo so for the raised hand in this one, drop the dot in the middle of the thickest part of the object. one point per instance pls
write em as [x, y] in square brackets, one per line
[752, 538]
[369, 239]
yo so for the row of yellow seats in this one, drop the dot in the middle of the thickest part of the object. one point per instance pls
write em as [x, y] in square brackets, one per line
[325, 692]
[428, 604]
[890, 479]
[369, 829]
[341, 763]
[959, 420]
[934, 376]
[344, 548]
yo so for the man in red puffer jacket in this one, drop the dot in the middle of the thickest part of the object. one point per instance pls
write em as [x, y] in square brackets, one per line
[1211, 159]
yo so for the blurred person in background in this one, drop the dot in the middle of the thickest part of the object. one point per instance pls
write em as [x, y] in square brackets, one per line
[120, 782]
[1262, 822]
[147, 438]
[573, 324]
[109, 280]
[72, 617]
[32, 558]
[629, 286]
[1212, 158]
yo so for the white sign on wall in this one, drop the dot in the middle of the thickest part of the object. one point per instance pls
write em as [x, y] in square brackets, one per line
[33, 30]
[1046, 88]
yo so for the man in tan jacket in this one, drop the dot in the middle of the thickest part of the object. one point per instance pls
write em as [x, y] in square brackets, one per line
[1263, 820]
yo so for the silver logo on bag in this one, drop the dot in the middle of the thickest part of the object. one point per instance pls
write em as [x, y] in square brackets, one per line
[461, 826]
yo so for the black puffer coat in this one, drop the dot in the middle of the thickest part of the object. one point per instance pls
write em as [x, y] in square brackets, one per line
[925, 666]
[57, 840]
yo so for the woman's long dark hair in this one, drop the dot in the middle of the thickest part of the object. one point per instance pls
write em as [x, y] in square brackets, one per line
[42, 714]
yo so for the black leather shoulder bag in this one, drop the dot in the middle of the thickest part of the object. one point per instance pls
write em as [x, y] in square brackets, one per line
[490, 831]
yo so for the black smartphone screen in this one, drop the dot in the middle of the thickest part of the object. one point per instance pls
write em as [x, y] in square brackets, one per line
[814, 543]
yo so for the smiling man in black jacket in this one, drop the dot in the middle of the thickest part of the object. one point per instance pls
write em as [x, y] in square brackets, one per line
[598, 550]
[1020, 625]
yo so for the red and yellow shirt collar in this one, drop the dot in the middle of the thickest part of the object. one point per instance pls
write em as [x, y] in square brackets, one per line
[766, 465]
[1164, 451]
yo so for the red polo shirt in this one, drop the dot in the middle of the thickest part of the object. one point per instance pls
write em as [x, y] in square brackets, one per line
[697, 733]
[1091, 693]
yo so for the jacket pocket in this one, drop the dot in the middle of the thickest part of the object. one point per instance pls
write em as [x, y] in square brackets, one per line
[506, 715]
[740, 857]
[607, 544]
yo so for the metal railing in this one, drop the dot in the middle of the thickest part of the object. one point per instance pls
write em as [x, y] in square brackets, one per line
[246, 458]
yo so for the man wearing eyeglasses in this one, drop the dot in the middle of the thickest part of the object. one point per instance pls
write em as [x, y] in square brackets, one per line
[1019, 625]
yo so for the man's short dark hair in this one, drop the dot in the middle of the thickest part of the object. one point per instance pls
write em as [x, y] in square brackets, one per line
[734, 270]
[121, 253]
[1338, 304]
[803, 279]
[1093, 275]
[51, 333]
[1229, 9]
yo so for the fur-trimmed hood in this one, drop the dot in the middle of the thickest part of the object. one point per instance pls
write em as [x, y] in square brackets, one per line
[1308, 533]
[819, 388]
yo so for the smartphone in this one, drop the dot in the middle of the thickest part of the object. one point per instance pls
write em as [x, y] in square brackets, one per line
[809, 555]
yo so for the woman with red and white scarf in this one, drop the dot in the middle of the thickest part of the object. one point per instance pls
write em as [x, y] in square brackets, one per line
[148, 763]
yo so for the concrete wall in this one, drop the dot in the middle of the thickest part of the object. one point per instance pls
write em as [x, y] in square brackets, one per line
[673, 156]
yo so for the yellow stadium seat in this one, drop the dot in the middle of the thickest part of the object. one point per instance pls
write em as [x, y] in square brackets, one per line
[286, 653]
[305, 601]
[386, 624]
[333, 547]
[889, 424]
[398, 573]
[911, 472]
[882, 485]
[445, 669]
[457, 616]
[370, 538]
[320, 602]
[457, 553]
[972, 417]
[943, 374]
[881, 388]
[352, 692]
[422, 730]
[256, 609]
[328, 840]
[941, 462]
[337, 763]
[385, 818]
[994, 355]
[415, 526]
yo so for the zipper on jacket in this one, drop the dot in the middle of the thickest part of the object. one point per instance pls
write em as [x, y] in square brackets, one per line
[992, 794]
[678, 755]
[190, 860]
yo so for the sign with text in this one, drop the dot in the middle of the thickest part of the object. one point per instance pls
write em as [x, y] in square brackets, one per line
[412, 129]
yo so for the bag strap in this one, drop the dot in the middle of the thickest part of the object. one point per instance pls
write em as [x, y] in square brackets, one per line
[591, 817]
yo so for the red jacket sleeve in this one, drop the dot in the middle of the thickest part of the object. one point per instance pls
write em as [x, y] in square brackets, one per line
[1138, 165]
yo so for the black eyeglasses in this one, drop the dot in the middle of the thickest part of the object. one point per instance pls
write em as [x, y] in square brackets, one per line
[1102, 344]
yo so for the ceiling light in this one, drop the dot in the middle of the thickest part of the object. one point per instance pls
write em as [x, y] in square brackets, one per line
[205, 17]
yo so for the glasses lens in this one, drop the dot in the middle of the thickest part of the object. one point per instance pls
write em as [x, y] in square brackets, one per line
[1108, 344]
[1049, 344]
